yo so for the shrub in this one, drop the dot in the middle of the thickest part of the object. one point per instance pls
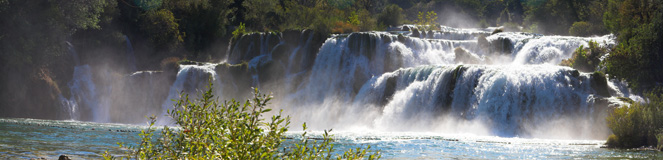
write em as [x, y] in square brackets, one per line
[162, 28]
[367, 21]
[586, 59]
[239, 31]
[578, 60]
[170, 64]
[612, 140]
[638, 25]
[391, 16]
[533, 28]
[428, 21]
[580, 29]
[343, 27]
[639, 124]
[354, 19]
[209, 129]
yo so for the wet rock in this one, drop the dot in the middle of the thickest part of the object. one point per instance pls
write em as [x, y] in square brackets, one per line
[405, 28]
[574, 73]
[600, 84]
[389, 91]
[401, 38]
[281, 52]
[484, 44]
[415, 33]
[466, 57]
[498, 30]
[291, 36]
[64, 157]
[309, 51]
[252, 45]
[502, 45]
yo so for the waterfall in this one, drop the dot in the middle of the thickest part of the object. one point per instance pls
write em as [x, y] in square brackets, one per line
[191, 79]
[83, 103]
[131, 58]
[73, 53]
[505, 97]
[450, 80]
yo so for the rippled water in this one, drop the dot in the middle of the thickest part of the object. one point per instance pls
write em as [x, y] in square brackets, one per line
[32, 138]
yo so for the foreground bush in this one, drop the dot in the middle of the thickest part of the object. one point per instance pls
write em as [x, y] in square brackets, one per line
[230, 130]
[640, 124]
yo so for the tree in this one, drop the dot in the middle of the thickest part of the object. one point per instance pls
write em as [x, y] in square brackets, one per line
[162, 29]
[638, 25]
[391, 16]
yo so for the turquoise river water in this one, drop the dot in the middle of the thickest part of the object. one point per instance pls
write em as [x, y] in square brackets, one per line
[33, 138]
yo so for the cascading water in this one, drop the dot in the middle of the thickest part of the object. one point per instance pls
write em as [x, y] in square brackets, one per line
[508, 98]
[131, 58]
[449, 81]
[83, 103]
[191, 79]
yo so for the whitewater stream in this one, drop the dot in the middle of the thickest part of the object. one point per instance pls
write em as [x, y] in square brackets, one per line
[448, 93]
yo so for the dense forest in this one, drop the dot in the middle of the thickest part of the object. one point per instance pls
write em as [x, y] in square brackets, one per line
[37, 37]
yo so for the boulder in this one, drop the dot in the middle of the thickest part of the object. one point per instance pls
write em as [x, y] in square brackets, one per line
[484, 44]
[64, 157]
[600, 84]
[430, 34]
[502, 45]
[498, 30]
[415, 33]
[405, 28]
[389, 90]
[466, 57]
[401, 38]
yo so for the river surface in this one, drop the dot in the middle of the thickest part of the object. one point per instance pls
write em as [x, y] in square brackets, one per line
[34, 138]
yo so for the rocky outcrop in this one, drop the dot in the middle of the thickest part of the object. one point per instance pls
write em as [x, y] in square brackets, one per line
[251, 45]
[465, 57]
[299, 48]
[32, 94]
[415, 33]
[63, 157]
[502, 45]
[600, 84]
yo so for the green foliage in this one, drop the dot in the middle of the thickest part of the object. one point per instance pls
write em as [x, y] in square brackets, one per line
[586, 59]
[533, 28]
[148, 4]
[209, 129]
[201, 22]
[580, 29]
[640, 124]
[558, 16]
[353, 19]
[639, 27]
[612, 141]
[34, 53]
[367, 22]
[239, 31]
[392, 15]
[428, 21]
[162, 28]
[344, 27]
